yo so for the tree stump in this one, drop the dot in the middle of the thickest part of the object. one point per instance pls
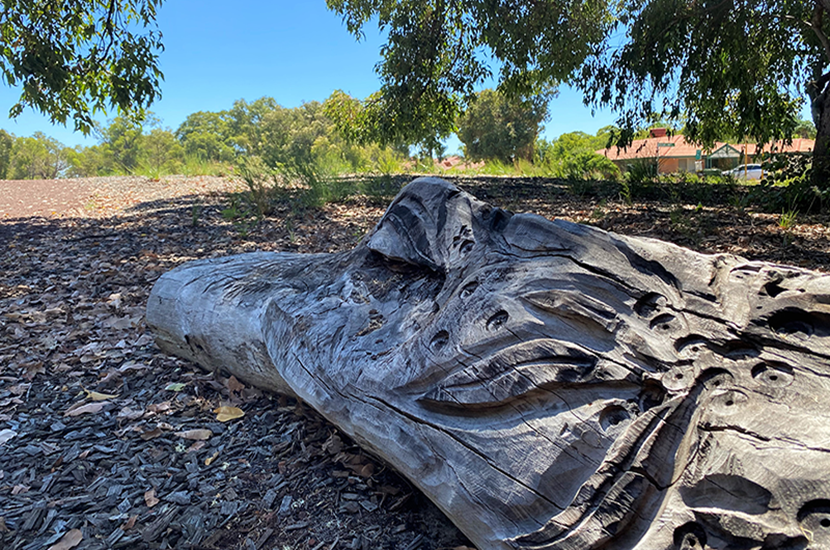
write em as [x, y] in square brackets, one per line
[548, 385]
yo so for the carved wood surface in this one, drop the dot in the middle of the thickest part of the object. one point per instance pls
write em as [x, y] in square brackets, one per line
[548, 385]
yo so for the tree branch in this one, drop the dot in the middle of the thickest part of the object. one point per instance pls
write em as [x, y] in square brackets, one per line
[109, 31]
[816, 24]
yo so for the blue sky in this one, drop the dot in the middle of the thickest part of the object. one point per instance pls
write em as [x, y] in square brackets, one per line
[217, 52]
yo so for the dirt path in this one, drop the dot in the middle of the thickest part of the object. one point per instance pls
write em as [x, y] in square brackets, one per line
[102, 196]
[44, 198]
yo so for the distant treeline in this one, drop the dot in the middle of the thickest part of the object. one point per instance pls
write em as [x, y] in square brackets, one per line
[501, 131]
[206, 142]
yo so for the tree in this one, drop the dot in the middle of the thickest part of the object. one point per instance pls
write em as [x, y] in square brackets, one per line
[37, 157]
[71, 59]
[805, 129]
[378, 120]
[160, 151]
[207, 136]
[498, 126]
[742, 66]
[438, 52]
[85, 162]
[245, 123]
[121, 139]
[303, 140]
[6, 143]
[731, 68]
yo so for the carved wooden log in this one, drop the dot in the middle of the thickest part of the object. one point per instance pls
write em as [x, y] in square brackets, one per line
[548, 385]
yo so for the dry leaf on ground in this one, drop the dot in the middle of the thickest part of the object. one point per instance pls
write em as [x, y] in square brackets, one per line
[130, 523]
[225, 414]
[152, 434]
[96, 396]
[209, 460]
[129, 414]
[195, 435]
[235, 385]
[89, 408]
[150, 498]
[70, 540]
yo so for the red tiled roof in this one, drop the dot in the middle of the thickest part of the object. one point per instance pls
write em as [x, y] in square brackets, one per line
[647, 148]
[797, 146]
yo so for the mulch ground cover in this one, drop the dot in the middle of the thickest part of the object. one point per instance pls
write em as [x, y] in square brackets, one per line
[105, 442]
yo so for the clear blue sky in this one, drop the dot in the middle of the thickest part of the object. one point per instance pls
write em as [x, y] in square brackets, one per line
[217, 52]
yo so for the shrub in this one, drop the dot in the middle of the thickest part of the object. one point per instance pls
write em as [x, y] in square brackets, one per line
[787, 185]
[589, 165]
[641, 172]
[261, 182]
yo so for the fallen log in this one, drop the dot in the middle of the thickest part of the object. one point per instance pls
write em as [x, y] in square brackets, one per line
[548, 385]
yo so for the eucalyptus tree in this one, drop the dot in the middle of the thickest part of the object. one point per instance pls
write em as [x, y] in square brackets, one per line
[37, 157]
[439, 51]
[6, 143]
[206, 135]
[742, 67]
[496, 126]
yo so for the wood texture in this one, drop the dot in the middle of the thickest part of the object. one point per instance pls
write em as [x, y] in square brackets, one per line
[548, 385]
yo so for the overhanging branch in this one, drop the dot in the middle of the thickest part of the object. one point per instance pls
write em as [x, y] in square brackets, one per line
[817, 22]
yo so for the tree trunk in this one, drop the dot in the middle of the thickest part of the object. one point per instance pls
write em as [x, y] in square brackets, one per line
[820, 109]
[548, 385]
[821, 153]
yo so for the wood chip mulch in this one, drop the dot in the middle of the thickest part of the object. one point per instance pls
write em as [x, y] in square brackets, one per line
[105, 442]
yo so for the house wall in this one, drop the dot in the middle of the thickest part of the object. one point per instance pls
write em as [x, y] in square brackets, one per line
[668, 165]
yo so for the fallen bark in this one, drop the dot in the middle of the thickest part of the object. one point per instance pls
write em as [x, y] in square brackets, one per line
[548, 385]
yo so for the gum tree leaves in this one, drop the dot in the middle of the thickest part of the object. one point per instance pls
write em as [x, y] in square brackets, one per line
[726, 68]
[71, 59]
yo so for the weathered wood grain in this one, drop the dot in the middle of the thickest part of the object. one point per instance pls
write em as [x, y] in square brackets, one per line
[548, 385]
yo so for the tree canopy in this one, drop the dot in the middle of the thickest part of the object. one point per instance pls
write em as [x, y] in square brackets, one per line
[438, 52]
[740, 67]
[72, 59]
[501, 127]
[36, 157]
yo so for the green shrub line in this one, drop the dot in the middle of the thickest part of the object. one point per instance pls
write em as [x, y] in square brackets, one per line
[312, 185]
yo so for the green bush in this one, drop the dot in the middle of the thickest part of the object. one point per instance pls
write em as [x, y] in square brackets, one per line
[589, 165]
[787, 186]
[261, 182]
[641, 172]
